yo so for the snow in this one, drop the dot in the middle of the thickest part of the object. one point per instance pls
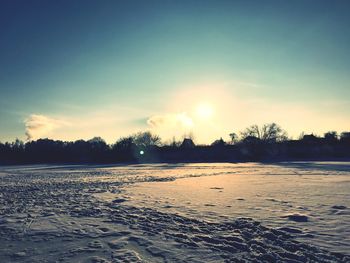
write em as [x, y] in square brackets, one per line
[293, 212]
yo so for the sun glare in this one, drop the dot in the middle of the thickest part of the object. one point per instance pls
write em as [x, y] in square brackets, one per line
[204, 111]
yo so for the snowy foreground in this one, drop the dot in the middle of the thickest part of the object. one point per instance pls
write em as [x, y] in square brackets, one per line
[288, 212]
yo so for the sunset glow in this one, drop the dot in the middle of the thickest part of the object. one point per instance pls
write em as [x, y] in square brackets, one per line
[118, 68]
[204, 111]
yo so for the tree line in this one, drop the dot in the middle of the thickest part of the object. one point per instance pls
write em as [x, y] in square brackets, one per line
[268, 142]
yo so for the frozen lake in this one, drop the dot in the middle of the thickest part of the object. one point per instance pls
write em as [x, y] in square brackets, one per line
[176, 212]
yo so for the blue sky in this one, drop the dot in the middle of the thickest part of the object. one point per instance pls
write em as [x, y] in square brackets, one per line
[78, 69]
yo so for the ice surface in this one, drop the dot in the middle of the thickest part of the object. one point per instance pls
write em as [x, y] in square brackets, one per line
[294, 212]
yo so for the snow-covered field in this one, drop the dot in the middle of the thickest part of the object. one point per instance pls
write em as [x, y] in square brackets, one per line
[287, 212]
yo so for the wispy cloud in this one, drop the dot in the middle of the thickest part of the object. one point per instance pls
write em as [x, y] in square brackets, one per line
[179, 120]
[38, 126]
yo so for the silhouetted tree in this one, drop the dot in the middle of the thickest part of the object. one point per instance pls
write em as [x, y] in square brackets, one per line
[146, 147]
[146, 139]
[270, 132]
[234, 137]
[124, 143]
[45, 150]
[331, 137]
[252, 131]
[98, 149]
[80, 151]
[124, 149]
[175, 143]
[273, 132]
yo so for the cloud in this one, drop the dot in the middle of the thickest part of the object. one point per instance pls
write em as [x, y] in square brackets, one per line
[180, 120]
[169, 126]
[38, 126]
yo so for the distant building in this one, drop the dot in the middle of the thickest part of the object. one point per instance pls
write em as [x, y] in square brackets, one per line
[219, 143]
[345, 137]
[187, 143]
[251, 140]
[310, 138]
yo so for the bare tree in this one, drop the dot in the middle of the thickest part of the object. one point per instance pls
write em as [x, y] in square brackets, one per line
[175, 143]
[270, 132]
[124, 143]
[146, 139]
[252, 131]
[273, 132]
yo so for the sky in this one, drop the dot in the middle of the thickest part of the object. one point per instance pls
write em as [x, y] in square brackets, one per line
[78, 69]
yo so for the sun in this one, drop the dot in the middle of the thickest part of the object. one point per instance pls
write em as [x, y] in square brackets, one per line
[204, 111]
